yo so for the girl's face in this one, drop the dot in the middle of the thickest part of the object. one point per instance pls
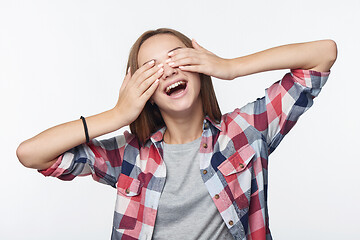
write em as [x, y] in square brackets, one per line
[178, 91]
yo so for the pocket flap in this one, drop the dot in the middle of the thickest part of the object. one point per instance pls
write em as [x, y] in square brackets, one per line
[238, 161]
[128, 186]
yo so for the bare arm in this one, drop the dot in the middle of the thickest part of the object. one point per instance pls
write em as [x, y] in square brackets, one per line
[42, 150]
[316, 55]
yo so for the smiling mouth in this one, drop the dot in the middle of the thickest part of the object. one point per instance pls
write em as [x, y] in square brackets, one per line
[176, 88]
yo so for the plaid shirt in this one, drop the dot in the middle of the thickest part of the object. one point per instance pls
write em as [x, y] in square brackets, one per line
[233, 162]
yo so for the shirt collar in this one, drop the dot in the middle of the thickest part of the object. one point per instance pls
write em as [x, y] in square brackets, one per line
[217, 125]
[159, 134]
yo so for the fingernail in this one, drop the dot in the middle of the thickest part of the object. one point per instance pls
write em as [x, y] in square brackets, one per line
[168, 60]
[160, 65]
[172, 63]
[170, 53]
[151, 62]
[160, 70]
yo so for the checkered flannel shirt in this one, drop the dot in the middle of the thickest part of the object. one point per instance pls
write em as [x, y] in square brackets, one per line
[233, 162]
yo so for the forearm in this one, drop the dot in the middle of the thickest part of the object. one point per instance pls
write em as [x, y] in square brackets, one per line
[41, 151]
[317, 55]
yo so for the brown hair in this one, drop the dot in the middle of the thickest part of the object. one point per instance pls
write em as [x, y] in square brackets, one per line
[150, 119]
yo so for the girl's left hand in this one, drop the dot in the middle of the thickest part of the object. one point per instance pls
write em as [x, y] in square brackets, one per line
[200, 60]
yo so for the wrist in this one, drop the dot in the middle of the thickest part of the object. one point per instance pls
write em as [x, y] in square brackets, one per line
[237, 67]
[118, 117]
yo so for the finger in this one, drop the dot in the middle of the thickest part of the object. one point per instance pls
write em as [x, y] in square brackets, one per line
[143, 69]
[193, 60]
[183, 54]
[150, 91]
[147, 82]
[153, 73]
[128, 75]
[192, 68]
[197, 46]
[126, 79]
[147, 73]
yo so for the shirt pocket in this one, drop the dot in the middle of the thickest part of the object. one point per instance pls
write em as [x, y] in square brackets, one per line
[238, 173]
[128, 202]
[128, 186]
[238, 162]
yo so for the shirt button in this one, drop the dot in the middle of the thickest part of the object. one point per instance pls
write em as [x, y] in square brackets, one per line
[205, 145]
[204, 172]
[206, 126]
[231, 223]
[217, 196]
[241, 165]
[127, 191]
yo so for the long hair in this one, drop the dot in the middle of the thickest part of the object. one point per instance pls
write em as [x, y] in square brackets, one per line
[150, 119]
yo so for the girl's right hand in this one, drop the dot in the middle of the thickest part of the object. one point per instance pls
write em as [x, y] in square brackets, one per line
[136, 90]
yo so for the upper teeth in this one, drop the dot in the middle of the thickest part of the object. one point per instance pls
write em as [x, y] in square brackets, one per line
[174, 85]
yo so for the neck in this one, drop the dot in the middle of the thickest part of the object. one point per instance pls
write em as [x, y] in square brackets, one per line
[184, 128]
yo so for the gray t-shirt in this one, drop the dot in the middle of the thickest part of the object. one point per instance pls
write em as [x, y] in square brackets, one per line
[186, 210]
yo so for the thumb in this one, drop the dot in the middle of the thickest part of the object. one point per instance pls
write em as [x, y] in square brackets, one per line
[197, 46]
[126, 79]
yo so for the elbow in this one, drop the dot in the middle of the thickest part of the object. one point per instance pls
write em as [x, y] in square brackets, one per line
[331, 53]
[327, 55]
[30, 158]
[332, 50]
[22, 154]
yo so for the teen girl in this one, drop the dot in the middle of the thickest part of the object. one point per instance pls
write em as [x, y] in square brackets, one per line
[185, 171]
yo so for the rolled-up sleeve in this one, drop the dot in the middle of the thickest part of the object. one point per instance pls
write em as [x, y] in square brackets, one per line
[275, 114]
[102, 159]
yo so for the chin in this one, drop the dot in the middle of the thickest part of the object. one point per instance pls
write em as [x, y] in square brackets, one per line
[182, 107]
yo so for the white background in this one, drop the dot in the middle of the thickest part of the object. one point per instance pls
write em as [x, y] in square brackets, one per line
[63, 59]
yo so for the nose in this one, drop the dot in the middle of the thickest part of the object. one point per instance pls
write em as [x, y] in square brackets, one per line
[168, 71]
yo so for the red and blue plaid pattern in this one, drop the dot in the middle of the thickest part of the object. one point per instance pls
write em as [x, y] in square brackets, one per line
[234, 154]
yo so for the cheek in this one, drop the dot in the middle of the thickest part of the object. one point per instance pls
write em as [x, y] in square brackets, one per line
[196, 81]
[194, 76]
[155, 95]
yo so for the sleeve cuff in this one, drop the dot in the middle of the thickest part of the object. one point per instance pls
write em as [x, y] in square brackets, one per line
[54, 169]
[310, 78]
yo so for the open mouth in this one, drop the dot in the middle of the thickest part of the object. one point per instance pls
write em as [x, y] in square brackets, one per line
[176, 88]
